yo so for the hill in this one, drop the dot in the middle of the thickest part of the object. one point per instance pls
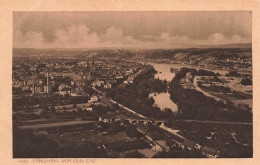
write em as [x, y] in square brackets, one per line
[200, 54]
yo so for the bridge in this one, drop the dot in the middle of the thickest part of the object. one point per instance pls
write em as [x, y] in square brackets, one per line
[145, 121]
[159, 122]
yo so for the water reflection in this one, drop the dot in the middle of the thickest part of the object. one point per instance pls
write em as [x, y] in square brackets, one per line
[162, 100]
[159, 67]
[163, 71]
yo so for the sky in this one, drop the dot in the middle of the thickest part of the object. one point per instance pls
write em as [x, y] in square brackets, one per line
[173, 29]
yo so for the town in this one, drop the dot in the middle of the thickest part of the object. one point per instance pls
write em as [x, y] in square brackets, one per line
[106, 103]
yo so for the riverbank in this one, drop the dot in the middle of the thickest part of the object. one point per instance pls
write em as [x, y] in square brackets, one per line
[194, 105]
[136, 95]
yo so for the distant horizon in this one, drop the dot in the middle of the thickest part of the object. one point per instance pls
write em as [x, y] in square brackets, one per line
[229, 45]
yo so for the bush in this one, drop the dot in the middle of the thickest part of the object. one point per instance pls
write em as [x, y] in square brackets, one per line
[122, 146]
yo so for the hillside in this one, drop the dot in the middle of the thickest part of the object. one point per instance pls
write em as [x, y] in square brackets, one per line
[220, 52]
[99, 53]
[200, 54]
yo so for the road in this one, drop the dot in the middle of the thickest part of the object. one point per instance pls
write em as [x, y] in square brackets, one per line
[197, 121]
[153, 142]
[205, 93]
[171, 131]
[128, 109]
[110, 101]
[55, 124]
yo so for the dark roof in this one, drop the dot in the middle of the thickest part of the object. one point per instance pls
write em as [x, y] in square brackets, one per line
[66, 89]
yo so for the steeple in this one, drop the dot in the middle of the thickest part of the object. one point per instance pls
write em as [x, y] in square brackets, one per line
[33, 80]
[47, 86]
[33, 86]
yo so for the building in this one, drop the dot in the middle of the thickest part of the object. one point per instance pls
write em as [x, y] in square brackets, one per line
[163, 144]
[38, 89]
[98, 83]
[93, 60]
[65, 91]
[85, 106]
[77, 93]
[62, 86]
[89, 108]
[105, 119]
[157, 148]
[190, 145]
[107, 86]
[197, 147]
[48, 85]
[210, 152]
[93, 99]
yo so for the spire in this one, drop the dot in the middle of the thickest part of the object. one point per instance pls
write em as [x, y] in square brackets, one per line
[93, 60]
[47, 86]
[33, 86]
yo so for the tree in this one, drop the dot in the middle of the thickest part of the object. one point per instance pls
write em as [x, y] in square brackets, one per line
[116, 127]
[100, 110]
[79, 110]
[131, 131]
[35, 147]
[233, 73]
[44, 106]
[52, 108]
[246, 81]
[74, 105]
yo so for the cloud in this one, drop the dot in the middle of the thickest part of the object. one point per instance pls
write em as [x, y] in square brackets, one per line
[30, 39]
[219, 38]
[216, 38]
[76, 37]
[79, 36]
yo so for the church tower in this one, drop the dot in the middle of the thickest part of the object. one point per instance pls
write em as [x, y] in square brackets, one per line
[47, 86]
[93, 60]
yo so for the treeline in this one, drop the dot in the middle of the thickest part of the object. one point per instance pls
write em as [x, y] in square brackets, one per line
[222, 89]
[194, 72]
[97, 111]
[227, 91]
[136, 95]
[27, 102]
[246, 81]
[195, 105]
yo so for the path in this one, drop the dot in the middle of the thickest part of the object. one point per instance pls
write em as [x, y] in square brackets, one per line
[205, 93]
[55, 124]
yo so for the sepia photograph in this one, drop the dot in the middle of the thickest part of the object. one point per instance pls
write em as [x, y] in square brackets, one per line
[132, 84]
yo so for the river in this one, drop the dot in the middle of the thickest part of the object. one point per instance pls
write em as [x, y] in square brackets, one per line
[162, 67]
[162, 100]
[163, 71]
